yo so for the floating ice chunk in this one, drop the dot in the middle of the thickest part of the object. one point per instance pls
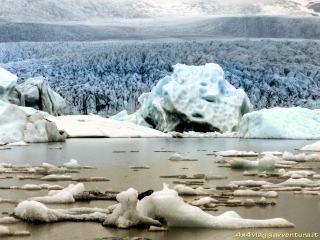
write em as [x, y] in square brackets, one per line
[8, 220]
[302, 182]
[266, 162]
[312, 147]
[246, 173]
[236, 153]
[250, 183]
[243, 163]
[73, 164]
[65, 195]
[249, 203]
[31, 187]
[34, 211]
[303, 173]
[296, 176]
[146, 205]
[284, 163]
[126, 215]
[4, 231]
[251, 193]
[214, 177]
[313, 157]
[73, 189]
[56, 178]
[177, 213]
[179, 157]
[185, 190]
[291, 157]
[272, 153]
[47, 165]
[316, 176]
[201, 201]
[277, 187]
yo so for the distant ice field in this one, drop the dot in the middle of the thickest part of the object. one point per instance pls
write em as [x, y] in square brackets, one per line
[175, 28]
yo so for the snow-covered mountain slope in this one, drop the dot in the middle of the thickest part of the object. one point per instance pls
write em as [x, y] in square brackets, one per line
[82, 10]
[169, 30]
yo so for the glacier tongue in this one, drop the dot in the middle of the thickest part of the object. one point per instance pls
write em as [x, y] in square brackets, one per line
[193, 98]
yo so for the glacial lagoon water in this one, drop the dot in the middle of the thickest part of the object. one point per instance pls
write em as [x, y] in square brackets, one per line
[113, 158]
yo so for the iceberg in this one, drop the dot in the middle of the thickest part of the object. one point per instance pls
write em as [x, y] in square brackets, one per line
[193, 98]
[17, 126]
[34, 92]
[282, 123]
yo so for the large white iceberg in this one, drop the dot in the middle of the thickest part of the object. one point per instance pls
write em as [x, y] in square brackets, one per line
[16, 125]
[34, 92]
[287, 123]
[193, 98]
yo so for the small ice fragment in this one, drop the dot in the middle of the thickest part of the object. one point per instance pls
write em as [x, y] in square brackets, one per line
[73, 164]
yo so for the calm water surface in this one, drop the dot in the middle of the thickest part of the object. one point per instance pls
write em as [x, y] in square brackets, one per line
[112, 157]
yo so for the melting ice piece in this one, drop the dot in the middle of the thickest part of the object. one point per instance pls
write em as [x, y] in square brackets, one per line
[62, 196]
[179, 157]
[126, 215]
[177, 213]
[34, 211]
[266, 162]
[73, 164]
